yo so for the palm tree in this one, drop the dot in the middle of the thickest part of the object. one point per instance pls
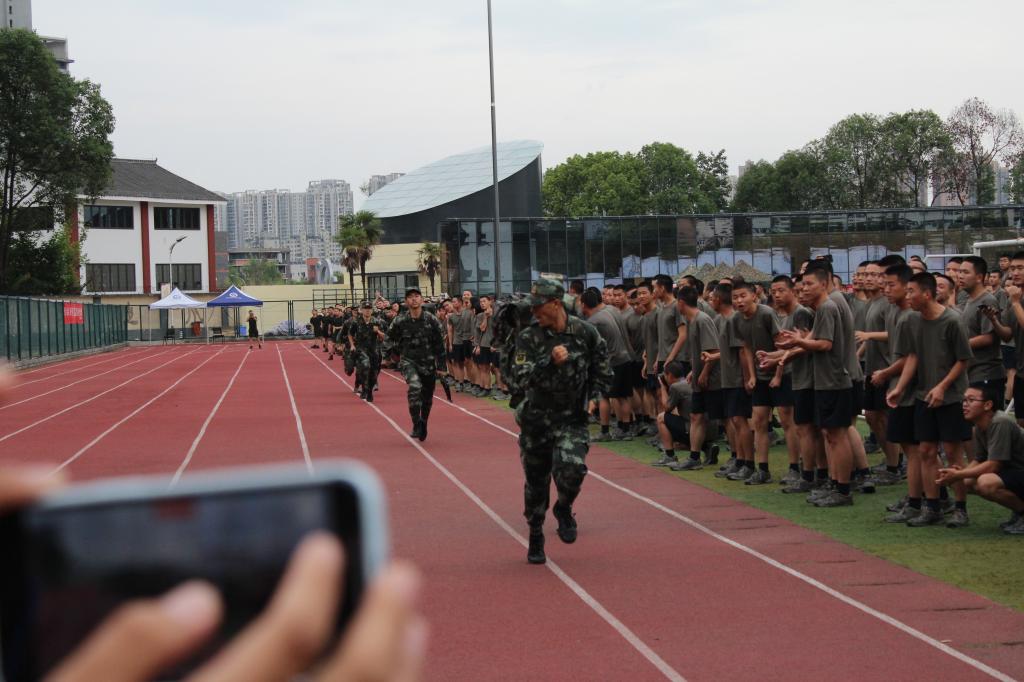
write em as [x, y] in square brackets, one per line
[428, 261]
[350, 261]
[359, 233]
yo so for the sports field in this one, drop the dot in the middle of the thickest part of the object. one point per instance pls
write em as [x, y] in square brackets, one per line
[669, 578]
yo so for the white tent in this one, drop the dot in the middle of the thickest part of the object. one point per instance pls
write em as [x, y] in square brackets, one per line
[176, 300]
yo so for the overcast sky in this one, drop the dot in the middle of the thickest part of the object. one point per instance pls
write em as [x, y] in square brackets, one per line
[252, 94]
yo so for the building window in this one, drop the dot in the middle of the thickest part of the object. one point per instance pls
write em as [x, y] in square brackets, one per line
[110, 277]
[110, 217]
[187, 276]
[175, 218]
[392, 285]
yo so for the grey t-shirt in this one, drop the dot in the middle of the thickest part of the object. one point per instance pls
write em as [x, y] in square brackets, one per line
[487, 336]
[729, 360]
[620, 319]
[669, 319]
[1003, 302]
[680, 399]
[757, 332]
[634, 331]
[987, 362]
[901, 325]
[876, 353]
[800, 365]
[961, 298]
[649, 328]
[1003, 441]
[859, 308]
[464, 325]
[703, 336]
[1009, 318]
[849, 341]
[940, 344]
[830, 367]
[608, 328]
[706, 307]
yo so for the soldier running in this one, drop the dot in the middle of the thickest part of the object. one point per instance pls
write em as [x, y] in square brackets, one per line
[560, 364]
[365, 335]
[419, 338]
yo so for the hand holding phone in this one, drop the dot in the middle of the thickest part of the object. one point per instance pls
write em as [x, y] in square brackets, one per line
[304, 607]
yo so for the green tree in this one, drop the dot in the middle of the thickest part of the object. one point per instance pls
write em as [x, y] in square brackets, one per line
[600, 183]
[1016, 186]
[350, 261]
[54, 143]
[44, 266]
[915, 141]
[359, 233]
[757, 189]
[672, 182]
[981, 136]
[714, 178]
[428, 262]
[854, 160]
[256, 271]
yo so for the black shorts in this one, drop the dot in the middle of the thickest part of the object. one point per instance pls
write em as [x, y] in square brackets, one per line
[943, 424]
[900, 425]
[874, 397]
[462, 351]
[1018, 395]
[636, 371]
[652, 384]
[766, 396]
[622, 384]
[709, 403]
[1009, 357]
[483, 357]
[832, 408]
[1014, 481]
[736, 403]
[678, 427]
[856, 399]
[803, 406]
[687, 367]
[1000, 390]
[253, 334]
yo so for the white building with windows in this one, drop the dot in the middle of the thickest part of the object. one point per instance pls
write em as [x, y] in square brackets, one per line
[19, 15]
[147, 220]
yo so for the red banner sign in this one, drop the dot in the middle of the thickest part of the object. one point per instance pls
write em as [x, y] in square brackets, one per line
[74, 313]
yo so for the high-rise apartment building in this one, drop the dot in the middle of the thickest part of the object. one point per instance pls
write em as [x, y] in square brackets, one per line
[19, 15]
[304, 223]
[377, 181]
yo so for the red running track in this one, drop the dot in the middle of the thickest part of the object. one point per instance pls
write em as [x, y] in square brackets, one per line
[668, 579]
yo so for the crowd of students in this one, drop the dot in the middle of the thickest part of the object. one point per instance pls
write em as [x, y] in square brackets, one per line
[927, 359]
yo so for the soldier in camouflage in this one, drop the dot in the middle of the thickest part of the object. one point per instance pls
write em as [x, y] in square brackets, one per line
[418, 337]
[365, 335]
[560, 363]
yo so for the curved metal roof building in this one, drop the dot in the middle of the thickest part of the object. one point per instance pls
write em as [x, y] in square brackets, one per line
[459, 186]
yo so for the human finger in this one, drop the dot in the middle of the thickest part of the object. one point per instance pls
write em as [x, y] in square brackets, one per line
[387, 640]
[293, 629]
[20, 484]
[143, 638]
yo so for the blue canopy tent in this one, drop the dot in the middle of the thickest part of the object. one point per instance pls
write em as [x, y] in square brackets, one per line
[232, 298]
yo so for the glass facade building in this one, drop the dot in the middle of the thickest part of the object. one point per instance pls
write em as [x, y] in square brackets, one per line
[610, 250]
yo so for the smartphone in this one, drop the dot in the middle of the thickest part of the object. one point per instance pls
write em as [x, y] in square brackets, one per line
[72, 558]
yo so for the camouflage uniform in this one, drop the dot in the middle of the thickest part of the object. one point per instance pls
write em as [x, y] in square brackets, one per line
[367, 351]
[554, 440]
[420, 342]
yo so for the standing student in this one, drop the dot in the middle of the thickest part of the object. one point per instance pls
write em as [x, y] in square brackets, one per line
[647, 307]
[254, 331]
[789, 313]
[985, 368]
[600, 315]
[1009, 324]
[671, 326]
[754, 328]
[833, 385]
[942, 352]
[314, 326]
[736, 404]
[875, 351]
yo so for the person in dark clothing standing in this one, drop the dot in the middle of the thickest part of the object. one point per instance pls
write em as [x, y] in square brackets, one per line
[314, 326]
[254, 331]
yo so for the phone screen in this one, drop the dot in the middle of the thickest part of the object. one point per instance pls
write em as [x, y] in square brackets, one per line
[66, 569]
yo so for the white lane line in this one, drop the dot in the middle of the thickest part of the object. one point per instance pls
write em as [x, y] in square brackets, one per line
[861, 606]
[642, 648]
[65, 363]
[209, 418]
[295, 412]
[144, 405]
[61, 388]
[89, 400]
[112, 357]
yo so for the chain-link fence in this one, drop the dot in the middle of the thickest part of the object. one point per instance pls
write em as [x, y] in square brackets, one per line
[36, 328]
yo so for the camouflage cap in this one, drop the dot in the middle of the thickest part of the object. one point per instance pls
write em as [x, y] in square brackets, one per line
[366, 304]
[545, 289]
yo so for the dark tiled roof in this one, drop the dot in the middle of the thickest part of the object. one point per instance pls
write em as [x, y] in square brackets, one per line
[146, 180]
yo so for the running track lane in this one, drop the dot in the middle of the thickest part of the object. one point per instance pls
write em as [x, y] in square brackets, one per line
[713, 610]
[480, 629]
[66, 369]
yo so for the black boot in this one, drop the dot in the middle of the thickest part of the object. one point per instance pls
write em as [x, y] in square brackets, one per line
[535, 554]
[415, 433]
[566, 523]
[423, 429]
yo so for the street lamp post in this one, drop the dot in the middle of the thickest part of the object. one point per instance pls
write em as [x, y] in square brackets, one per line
[494, 159]
[170, 259]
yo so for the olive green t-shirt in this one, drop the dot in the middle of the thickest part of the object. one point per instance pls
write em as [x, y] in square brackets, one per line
[876, 353]
[900, 323]
[849, 341]
[757, 332]
[703, 336]
[830, 366]
[987, 363]
[669, 320]
[1002, 441]
[940, 344]
[729, 360]
[800, 365]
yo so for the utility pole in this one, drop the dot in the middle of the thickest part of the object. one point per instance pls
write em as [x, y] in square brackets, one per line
[494, 159]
